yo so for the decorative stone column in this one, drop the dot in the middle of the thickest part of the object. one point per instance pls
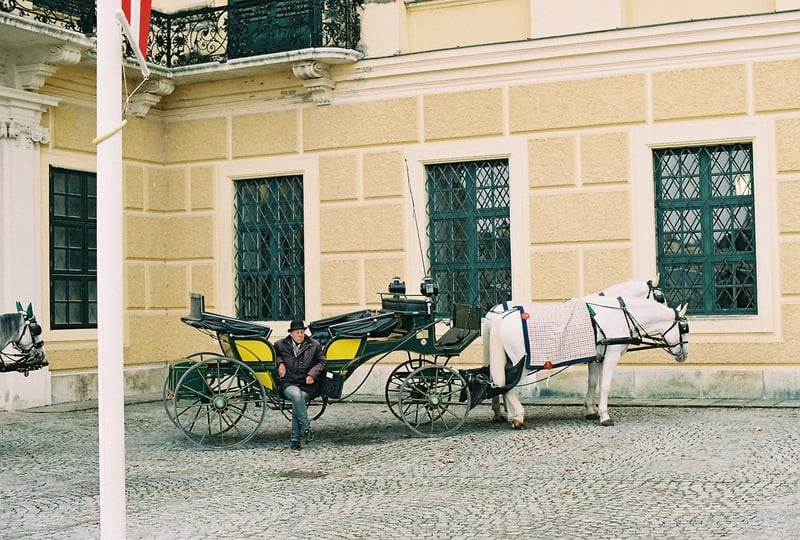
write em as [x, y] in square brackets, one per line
[22, 227]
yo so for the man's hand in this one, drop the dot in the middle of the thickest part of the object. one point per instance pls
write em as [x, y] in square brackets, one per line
[281, 370]
[309, 379]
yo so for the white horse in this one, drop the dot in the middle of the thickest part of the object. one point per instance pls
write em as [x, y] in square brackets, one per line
[21, 331]
[636, 288]
[619, 322]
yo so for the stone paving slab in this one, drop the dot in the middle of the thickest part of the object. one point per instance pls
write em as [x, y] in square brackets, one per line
[660, 472]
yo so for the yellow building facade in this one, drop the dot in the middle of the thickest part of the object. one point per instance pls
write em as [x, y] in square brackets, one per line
[574, 95]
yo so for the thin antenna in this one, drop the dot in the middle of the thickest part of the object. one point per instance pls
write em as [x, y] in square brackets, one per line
[416, 223]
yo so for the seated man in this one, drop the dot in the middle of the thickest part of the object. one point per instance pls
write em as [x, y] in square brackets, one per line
[301, 364]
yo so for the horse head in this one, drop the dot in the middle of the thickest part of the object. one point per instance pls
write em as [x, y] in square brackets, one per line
[675, 337]
[29, 341]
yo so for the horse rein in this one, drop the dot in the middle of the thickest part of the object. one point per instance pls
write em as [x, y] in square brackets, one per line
[639, 336]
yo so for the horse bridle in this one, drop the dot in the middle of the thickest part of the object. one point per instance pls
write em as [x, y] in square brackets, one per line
[639, 336]
[32, 327]
[657, 294]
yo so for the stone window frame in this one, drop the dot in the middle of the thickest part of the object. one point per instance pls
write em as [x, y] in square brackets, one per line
[758, 132]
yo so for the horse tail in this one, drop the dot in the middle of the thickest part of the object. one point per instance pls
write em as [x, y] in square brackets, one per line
[486, 332]
[497, 352]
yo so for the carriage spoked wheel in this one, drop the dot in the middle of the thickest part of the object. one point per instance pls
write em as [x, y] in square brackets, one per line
[396, 379]
[219, 403]
[168, 392]
[434, 400]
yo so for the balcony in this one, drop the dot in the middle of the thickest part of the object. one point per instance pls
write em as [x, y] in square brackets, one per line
[225, 41]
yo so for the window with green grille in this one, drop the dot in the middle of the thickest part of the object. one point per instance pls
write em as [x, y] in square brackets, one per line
[469, 231]
[270, 272]
[73, 249]
[705, 227]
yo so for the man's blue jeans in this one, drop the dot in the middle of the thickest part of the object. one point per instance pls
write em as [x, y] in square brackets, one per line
[299, 410]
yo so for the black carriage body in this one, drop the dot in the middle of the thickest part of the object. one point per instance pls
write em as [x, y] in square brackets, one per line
[404, 324]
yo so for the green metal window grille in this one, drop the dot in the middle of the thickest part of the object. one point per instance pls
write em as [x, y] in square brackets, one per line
[705, 228]
[73, 249]
[270, 272]
[469, 232]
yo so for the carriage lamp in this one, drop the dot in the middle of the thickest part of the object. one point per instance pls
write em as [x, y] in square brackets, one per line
[397, 286]
[428, 287]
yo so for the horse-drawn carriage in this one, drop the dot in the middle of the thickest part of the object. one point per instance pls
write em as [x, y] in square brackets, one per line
[220, 399]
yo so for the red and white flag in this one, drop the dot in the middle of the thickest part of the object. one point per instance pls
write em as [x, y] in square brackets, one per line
[137, 13]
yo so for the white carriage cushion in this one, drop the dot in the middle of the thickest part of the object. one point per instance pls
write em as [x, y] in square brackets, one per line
[558, 333]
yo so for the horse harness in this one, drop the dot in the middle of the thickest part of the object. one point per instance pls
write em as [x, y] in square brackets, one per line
[637, 335]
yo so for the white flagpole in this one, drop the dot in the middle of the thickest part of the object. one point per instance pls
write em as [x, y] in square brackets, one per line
[110, 307]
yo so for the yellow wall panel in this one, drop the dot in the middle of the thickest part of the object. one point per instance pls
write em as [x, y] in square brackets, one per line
[789, 206]
[584, 102]
[554, 275]
[770, 91]
[463, 114]
[362, 228]
[142, 139]
[168, 286]
[264, 134]
[166, 189]
[605, 157]
[552, 161]
[342, 281]
[73, 127]
[195, 140]
[711, 91]
[790, 269]
[440, 24]
[136, 286]
[133, 187]
[360, 124]
[169, 238]
[384, 174]
[787, 133]
[338, 177]
[605, 267]
[588, 217]
[202, 187]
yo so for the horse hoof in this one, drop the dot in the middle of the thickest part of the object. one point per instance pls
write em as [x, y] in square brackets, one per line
[593, 416]
[516, 424]
[608, 422]
[499, 419]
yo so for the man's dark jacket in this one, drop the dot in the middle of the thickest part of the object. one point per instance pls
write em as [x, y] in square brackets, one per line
[310, 361]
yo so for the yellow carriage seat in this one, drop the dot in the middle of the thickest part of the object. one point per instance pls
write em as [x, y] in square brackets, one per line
[342, 350]
[258, 354]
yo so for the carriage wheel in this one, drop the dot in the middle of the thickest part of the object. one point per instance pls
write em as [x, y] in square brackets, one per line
[396, 379]
[434, 400]
[219, 403]
[168, 392]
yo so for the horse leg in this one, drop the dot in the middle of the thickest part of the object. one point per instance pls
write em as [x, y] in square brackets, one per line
[590, 405]
[499, 415]
[516, 413]
[609, 364]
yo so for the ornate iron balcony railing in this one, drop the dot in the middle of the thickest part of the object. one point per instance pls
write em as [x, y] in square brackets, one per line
[217, 34]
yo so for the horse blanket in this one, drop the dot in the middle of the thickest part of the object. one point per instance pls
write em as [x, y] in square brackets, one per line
[557, 334]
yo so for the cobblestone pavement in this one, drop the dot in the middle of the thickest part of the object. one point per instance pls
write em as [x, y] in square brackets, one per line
[661, 472]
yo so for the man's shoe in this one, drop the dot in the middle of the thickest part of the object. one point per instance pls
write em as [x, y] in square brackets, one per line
[308, 435]
[295, 446]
